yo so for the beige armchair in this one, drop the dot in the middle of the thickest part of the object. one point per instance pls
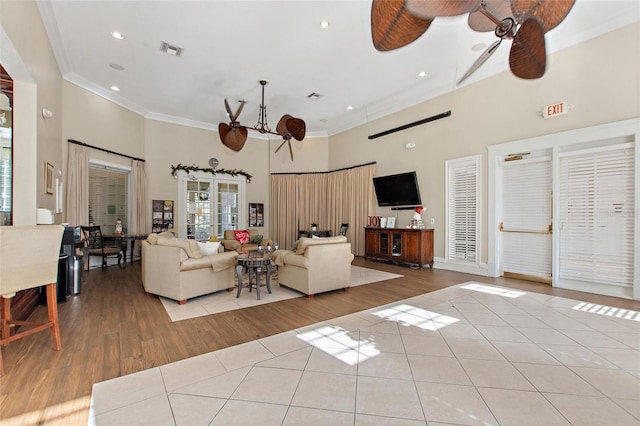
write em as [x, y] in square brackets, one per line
[28, 259]
[317, 265]
[230, 243]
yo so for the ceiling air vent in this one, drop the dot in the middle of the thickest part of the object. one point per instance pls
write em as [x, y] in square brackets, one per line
[171, 50]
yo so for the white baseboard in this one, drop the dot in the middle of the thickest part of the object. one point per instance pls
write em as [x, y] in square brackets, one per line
[480, 269]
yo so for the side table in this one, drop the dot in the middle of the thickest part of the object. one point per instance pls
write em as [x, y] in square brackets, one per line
[254, 264]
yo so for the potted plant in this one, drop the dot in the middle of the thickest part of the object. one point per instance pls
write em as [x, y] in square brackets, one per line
[314, 226]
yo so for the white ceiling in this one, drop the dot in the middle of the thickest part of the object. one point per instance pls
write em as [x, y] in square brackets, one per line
[230, 45]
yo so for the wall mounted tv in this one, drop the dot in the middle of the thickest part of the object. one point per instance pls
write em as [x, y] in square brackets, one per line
[397, 190]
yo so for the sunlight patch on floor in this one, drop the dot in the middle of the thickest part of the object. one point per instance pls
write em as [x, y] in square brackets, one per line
[505, 292]
[67, 413]
[608, 311]
[411, 316]
[337, 342]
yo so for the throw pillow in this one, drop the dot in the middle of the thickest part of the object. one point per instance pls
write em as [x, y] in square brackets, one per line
[241, 236]
[256, 239]
[207, 247]
[295, 245]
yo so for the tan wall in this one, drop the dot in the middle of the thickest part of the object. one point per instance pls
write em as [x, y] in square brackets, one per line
[599, 77]
[94, 120]
[33, 67]
[169, 144]
[309, 155]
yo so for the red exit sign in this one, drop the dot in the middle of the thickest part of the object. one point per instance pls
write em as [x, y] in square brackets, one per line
[554, 110]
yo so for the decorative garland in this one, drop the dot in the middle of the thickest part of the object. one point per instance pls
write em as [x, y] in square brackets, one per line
[232, 172]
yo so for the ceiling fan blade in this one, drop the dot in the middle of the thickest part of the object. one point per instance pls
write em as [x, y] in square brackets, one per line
[281, 127]
[290, 149]
[481, 60]
[429, 9]
[228, 108]
[235, 117]
[392, 26]
[499, 8]
[236, 138]
[296, 127]
[283, 142]
[223, 129]
[528, 57]
[550, 13]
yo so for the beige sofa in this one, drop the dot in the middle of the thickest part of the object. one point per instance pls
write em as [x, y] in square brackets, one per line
[230, 243]
[176, 269]
[317, 265]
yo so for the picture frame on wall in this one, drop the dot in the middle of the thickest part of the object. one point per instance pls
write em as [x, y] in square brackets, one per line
[162, 215]
[256, 214]
[48, 178]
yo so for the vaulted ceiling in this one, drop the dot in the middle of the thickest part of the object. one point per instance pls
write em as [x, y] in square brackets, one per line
[331, 77]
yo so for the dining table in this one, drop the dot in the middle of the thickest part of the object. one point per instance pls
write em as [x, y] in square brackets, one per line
[126, 240]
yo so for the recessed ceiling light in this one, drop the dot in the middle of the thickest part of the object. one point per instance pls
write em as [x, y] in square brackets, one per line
[422, 74]
[117, 35]
[478, 47]
[115, 88]
[349, 107]
[324, 24]
[117, 67]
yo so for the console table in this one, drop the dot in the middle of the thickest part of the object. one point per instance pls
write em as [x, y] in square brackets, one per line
[412, 246]
[309, 234]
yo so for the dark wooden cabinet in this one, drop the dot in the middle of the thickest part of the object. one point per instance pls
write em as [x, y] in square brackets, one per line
[413, 246]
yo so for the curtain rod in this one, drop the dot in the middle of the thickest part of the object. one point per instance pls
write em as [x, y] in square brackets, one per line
[104, 150]
[330, 171]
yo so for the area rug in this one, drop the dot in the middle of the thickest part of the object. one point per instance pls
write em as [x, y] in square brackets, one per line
[223, 301]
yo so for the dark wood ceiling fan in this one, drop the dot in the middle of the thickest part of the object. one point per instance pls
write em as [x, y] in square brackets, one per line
[234, 134]
[396, 23]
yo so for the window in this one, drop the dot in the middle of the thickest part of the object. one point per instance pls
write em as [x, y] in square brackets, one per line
[462, 192]
[228, 205]
[108, 197]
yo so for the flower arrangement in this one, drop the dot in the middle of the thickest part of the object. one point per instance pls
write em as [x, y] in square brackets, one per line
[314, 226]
[232, 172]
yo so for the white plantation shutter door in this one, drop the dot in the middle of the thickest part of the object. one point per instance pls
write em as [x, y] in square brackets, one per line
[462, 206]
[526, 216]
[597, 215]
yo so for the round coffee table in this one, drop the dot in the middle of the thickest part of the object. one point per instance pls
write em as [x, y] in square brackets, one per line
[254, 264]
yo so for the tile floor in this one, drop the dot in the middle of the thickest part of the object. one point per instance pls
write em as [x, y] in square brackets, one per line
[223, 301]
[468, 354]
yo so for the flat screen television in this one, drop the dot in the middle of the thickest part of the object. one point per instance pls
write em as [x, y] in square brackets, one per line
[397, 190]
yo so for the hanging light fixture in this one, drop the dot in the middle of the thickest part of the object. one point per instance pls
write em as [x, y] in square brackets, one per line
[234, 135]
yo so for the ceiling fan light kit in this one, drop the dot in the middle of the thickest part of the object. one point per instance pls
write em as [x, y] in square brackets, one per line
[234, 135]
[396, 23]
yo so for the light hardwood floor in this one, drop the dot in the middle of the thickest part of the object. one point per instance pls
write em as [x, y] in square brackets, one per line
[113, 329]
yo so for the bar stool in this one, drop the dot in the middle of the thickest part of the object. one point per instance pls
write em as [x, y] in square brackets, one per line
[28, 259]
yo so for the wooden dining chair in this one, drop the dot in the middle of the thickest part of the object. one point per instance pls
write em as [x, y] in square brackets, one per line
[28, 259]
[96, 246]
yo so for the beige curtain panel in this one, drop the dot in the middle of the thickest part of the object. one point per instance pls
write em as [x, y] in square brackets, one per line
[328, 199]
[77, 195]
